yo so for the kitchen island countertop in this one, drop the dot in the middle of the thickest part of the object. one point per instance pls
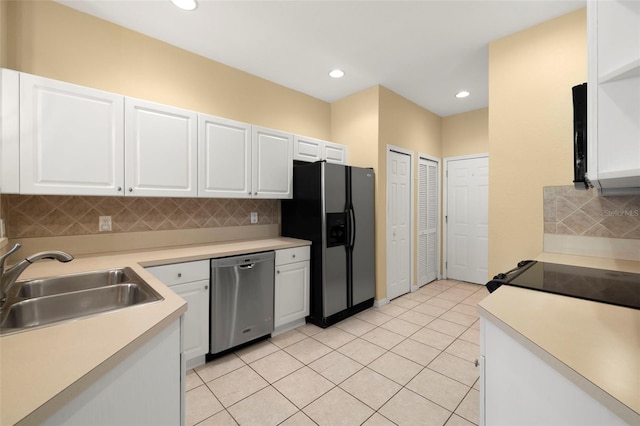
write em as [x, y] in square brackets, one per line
[41, 368]
[594, 345]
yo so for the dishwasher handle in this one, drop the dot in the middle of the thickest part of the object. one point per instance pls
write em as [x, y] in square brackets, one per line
[248, 266]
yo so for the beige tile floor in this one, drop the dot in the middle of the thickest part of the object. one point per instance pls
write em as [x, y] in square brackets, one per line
[410, 362]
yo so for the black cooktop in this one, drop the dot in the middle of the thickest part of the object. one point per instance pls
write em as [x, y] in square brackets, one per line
[599, 285]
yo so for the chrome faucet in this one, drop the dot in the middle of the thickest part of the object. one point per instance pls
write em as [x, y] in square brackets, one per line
[8, 278]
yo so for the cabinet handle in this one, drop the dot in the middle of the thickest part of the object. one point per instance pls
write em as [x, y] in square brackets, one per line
[119, 188]
[255, 193]
[294, 256]
[249, 192]
[206, 287]
[277, 272]
[130, 189]
[476, 363]
[179, 274]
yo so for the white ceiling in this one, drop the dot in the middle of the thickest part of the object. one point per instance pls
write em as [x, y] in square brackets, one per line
[425, 51]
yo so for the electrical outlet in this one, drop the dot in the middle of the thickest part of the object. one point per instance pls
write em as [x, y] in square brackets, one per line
[1, 228]
[104, 223]
[254, 217]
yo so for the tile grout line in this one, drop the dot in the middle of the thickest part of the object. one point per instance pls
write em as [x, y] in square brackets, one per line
[355, 337]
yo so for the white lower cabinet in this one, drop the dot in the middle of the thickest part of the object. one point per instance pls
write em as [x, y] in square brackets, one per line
[146, 388]
[190, 280]
[196, 320]
[292, 281]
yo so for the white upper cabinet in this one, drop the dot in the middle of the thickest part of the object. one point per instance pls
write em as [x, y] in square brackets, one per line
[311, 149]
[334, 153]
[613, 136]
[224, 156]
[237, 160]
[272, 163]
[161, 150]
[61, 138]
[307, 149]
[71, 139]
[80, 141]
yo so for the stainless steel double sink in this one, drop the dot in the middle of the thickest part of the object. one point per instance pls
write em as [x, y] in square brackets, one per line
[45, 301]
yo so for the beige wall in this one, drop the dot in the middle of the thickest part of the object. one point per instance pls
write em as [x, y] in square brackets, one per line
[48, 39]
[466, 133]
[355, 122]
[529, 117]
[4, 31]
[54, 41]
[411, 127]
[530, 130]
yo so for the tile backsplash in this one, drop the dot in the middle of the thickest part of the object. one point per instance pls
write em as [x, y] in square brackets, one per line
[568, 211]
[52, 215]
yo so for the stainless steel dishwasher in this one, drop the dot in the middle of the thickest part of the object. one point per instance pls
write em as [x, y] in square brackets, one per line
[241, 299]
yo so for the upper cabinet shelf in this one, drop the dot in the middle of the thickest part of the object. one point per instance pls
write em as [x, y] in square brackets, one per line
[630, 70]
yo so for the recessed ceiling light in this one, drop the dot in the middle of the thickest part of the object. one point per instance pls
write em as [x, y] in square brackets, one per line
[462, 94]
[336, 73]
[185, 4]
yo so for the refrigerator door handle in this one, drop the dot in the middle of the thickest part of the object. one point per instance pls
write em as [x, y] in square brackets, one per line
[352, 216]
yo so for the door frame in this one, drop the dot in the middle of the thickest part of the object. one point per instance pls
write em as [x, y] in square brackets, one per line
[439, 212]
[412, 285]
[445, 205]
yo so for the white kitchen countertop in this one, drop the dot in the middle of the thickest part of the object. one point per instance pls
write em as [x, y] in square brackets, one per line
[41, 368]
[595, 345]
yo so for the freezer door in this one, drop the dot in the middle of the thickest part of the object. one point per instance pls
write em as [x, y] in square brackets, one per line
[363, 258]
[334, 285]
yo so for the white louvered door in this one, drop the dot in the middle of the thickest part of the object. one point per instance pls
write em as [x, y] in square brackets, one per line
[428, 171]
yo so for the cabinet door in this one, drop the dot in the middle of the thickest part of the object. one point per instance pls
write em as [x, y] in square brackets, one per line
[272, 163]
[291, 293]
[71, 139]
[307, 149]
[161, 150]
[196, 319]
[144, 388]
[334, 153]
[224, 155]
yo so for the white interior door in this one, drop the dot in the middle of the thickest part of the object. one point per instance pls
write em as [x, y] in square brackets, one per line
[398, 223]
[428, 172]
[467, 219]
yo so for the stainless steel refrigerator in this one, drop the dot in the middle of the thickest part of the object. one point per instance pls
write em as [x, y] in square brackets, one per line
[333, 206]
